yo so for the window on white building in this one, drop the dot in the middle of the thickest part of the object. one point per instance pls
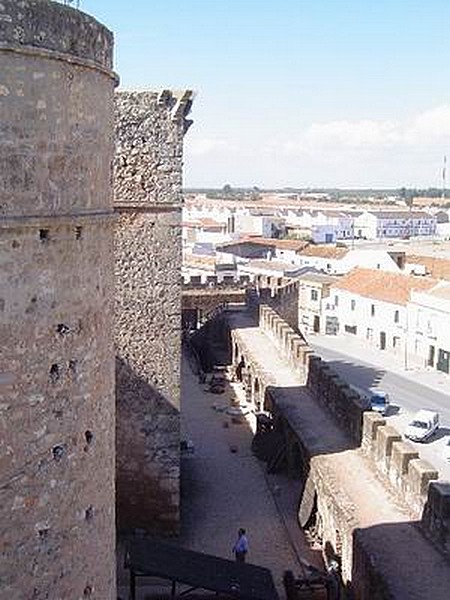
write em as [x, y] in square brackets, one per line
[336, 300]
[314, 295]
[396, 316]
[372, 310]
[353, 304]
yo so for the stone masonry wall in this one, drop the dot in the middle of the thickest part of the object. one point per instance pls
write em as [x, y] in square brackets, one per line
[148, 195]
[57, 418]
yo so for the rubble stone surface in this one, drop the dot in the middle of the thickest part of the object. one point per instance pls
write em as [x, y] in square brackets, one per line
[149, 143]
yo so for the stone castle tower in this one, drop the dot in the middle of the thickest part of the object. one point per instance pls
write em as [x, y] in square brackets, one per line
[57, 414]
[147, 200]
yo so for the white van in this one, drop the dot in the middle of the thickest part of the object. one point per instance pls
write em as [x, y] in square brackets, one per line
[423, 425]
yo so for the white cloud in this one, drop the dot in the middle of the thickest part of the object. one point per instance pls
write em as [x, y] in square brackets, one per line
[204, 146]
[429, 127]
[352, 133]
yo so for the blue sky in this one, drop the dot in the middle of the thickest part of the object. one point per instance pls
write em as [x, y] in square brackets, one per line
[349, 93]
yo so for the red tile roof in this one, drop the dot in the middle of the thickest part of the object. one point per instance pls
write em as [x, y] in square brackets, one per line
[324, 251]
[381, 285]
[295, 245]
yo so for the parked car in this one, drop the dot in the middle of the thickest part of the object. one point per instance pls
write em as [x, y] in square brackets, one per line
[379, 402]
[423, 425]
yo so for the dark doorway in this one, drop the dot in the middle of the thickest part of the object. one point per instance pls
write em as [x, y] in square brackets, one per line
[431, 356]
[383, 340]
[316, 324]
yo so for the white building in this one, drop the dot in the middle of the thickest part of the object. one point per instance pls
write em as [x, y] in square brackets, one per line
[371, 305]
[368, 259]
[204, 230]
[341, 222]
[429, 326]
[263, 225]
[394, 224]
[325, 226]
[313, 292]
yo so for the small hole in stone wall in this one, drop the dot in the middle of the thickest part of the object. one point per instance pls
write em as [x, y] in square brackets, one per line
[15, 244]
[89, 436]
[78, 232]
[89, 513]
[55, 373]
[63, 329]
[58, 452]
[43, 533]
[73, 367]
[87, 591]
[44, 235]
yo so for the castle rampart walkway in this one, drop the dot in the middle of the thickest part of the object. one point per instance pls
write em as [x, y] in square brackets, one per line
[383, 553]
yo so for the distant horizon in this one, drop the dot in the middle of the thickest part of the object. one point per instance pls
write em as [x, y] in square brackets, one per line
[314, 189]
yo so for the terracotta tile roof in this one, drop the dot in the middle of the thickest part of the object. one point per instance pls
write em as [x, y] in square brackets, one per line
[439, 268]
[381, 285]
[271, 242]
[325, 251]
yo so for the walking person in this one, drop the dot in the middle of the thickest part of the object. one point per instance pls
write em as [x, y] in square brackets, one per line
[240, 548]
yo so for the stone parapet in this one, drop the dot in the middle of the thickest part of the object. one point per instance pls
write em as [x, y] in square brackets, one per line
[343, 402]
[436, 516]
[386, 436]
[41, 25]
[289, 342]
[149, 149]
[371, 422]
[397, 462]
[205, 281]
[420, 474]
[402, 454]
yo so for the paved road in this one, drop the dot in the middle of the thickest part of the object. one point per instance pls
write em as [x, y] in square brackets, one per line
[407, 397]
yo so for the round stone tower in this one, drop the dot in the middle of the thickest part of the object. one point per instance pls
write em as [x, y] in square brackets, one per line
[57, 526]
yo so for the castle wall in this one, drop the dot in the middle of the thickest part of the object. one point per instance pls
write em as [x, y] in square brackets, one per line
[56, 281]
[148, 197]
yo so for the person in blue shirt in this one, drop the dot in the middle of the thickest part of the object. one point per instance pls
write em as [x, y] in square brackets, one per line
[240, 548]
